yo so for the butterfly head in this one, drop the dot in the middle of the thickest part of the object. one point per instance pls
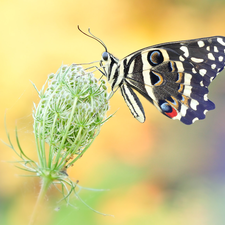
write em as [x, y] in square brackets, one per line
[108, 58]
[105, 56]
[108, 61]
[105, 61]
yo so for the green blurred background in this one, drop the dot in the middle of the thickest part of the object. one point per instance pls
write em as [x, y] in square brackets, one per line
[161, 172]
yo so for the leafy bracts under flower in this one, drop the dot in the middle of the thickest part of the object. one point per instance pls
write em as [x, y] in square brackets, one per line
[69, 115]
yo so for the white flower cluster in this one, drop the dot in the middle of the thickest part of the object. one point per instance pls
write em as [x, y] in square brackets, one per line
[71, 110]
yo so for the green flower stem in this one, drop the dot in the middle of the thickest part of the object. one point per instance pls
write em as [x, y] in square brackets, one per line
[39, 152]
[63, 162]
[36, 140]
[51, 151]
[76, 143]
[46, 182]
[42, 137]
[67, 129]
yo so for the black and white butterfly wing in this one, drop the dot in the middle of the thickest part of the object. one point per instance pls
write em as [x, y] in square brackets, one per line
[174, 77]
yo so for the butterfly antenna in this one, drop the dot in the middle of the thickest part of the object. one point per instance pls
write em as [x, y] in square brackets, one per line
[88, 63]
[93, 37]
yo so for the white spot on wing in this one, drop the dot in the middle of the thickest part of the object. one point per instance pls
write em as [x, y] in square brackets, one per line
[220, 40]
[202, 72]
[201, 44]
[195, 119]
[211, 56]
[194, 103]
[181, 58]
[220, 58]
[196, 60]
[213, 66]
[205, 97]
[183, 110]
[193, 70]
[216, 49]
[205, 111]
[185, 50]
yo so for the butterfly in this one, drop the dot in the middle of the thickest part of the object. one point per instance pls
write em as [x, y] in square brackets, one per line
[173, 76]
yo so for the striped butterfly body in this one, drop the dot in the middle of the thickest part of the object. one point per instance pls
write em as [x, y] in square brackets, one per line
[173, 76]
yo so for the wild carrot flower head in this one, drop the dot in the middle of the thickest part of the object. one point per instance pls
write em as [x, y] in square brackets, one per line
[69, 114]
[71, 111]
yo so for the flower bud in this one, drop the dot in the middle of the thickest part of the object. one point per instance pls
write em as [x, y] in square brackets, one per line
[73, 110]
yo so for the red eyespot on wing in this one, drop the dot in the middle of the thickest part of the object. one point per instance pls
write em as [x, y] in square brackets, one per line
[171, 114]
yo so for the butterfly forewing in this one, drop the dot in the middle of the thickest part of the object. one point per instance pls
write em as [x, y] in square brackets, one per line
[173, 76]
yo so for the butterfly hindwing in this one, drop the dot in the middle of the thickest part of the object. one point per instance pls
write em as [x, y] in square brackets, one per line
[175, 76]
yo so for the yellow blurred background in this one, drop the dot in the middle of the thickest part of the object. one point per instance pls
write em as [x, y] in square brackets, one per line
[161, 172]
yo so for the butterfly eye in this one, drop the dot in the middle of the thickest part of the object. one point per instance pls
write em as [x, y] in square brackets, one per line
[105, 56]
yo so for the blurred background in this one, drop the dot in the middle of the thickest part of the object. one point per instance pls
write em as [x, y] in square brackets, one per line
[161, 172]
